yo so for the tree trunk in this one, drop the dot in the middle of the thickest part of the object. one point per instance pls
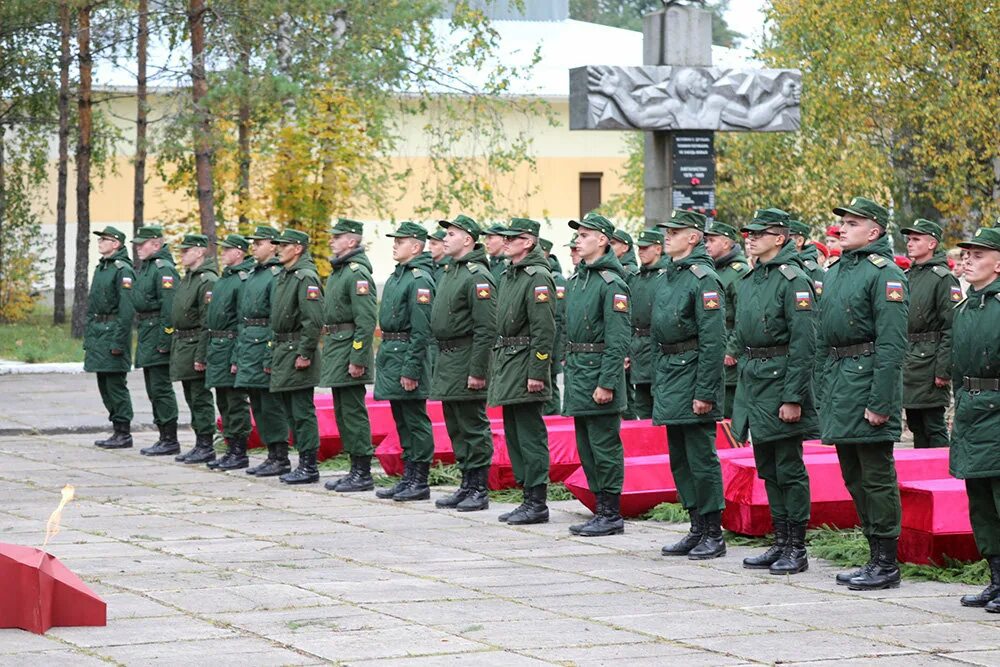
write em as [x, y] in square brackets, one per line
[203, 127]
[65, 58]
[141, 47]
[3, 210]
[80, 284]
[244, 138]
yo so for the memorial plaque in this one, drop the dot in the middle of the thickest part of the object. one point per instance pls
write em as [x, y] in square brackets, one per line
[695, 199]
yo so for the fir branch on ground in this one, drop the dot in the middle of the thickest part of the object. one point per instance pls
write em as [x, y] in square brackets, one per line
[667, 512]
[557, 492]
[340, 463]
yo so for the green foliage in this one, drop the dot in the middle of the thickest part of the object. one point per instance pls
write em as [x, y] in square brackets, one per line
[667, 512]
[340, 463]
[36, 340]
[444, 475]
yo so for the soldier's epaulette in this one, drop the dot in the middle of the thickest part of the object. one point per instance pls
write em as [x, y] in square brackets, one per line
[420, 273]
[530, 270]
[302, 274]
[748, 274]
[878, 260]
[160, 263]
[941, 271]
[476, 267]
[121, 263]
[811, 265]
[608, 276]
[787, 271]
[244, 275]
[276, 269]
[353, 266]
[738, 266]
[698, 272]
[997, 296]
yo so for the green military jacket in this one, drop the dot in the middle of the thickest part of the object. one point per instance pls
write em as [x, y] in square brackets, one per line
[525, 309]
[809, 257]
[598, 310]
[189, 315]
[463, 322]
[976, 354]
[296, 318]
[689, 308]
[405, 309]
[775, 307]
[642, 287]
[152, 299]
[439, 267]
[497, 266]
[934, 291]
[222, 321]
[630, 263]
[865, 300]
[109, 316]
[255, 339]
[731, 267]
[350, 299]
[559, 349]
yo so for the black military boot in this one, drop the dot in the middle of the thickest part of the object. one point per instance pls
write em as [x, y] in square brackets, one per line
[271, 458]
[712, 544]
[279, 466]
[305, 473]
[463, 490]
[122, 438]
[534, 510]
[575, 528]
[400, 486]
[885, 571]
[844, 578]
[167, 444]
[332, 484]
[417, 489]
[773, 554]
[684, 545]
[607, 522]
[361, 480]
[524, 504]
[204, 450]
[991, 592]
[478, 497]
[793, 559]
[214, 463]
[237, 458]
[104, 441]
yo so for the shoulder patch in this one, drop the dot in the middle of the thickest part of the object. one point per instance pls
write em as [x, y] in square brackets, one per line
[483, 290]
[530, 270]
[818, 286]
[710, 300]
[608, 276]
[787, 271]
[126, 282]
[877, 260]
[560, 292]
[208, 296]
[894, 291]
[361, 287]
[803, 300]
[956, 294]
[698, 272]
[423, 295]
[542, 294]
[167, 282]
[312, 292]
[620, 303]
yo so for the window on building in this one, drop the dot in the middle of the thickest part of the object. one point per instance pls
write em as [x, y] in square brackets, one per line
[590, 192]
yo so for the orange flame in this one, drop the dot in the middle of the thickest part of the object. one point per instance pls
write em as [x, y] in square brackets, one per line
[52, 525]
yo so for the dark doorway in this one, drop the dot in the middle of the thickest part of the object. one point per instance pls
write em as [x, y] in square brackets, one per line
[590, 192]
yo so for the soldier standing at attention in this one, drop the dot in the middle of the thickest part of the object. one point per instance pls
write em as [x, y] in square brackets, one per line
[253, 354]
[976, 373]
[554, 404]
[296, 318]
[463, 323]
[152, 298]
[776, 332]
[934, 291]
[808, 253]
[401, 366]
[107, 339]
[349, 309]
[493, 243]
[435, 245]
[689, 340]
[525, 316]
[623, 247]
[643, 288]
[862, 337]
[723, 244]
[189, 344]
[598, 331]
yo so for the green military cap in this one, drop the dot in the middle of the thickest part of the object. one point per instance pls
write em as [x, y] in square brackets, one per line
[438, 235]
[520, 226]
[722, 229]
[111, 233]
[495, 230]
[572, 242]
[194, 241]
[409, 230]
[865, 208]
[147, 232]
[622, 236]
[596, 222]
[292, 236]
[680, 219]
[800, 228]
[465, 223]
[546, 244]
[765, 218]
[924, 226]
[264, 233]
[345, 226]
[649, 237]
[985, 237]
[235, 241]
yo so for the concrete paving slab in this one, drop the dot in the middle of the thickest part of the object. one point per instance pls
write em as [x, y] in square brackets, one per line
[778, 647]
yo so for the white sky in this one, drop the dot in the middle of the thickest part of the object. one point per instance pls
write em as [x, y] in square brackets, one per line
[747, 16]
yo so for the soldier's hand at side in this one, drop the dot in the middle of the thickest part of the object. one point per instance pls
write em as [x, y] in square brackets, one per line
[199, 366]
[232, 369]
[355, 371]
[729, 360]
[301, 363]
[790, 412]
[874, 418]
[535, 386]
[628, 363]
[267, 371]
[116, 352]
[475, 383]
[701, 407]
[408, 384]
[941, 382]
[602, 395]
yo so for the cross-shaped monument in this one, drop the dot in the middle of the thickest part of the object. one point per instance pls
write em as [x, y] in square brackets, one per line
[680, 100]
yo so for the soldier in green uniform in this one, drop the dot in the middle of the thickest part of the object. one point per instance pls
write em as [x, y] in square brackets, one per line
[862, 344]
[401, 366]
[723, 244]
[808, 253]
[689, 343]
[253, 353]
[975, 456]
[521, 382]
[776, 331]
[435, 245]
[152, 299]
[642, 286]
[189, 342]
[296, 318]
[554, 404]
[107, 338]
[463, 323]
[349, 309]
[623, 247]
[493, 243]
[598, 332]
[222, 321]
[934, 291]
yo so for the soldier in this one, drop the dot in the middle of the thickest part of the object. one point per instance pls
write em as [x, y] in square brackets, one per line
[296, 317]
[808, 253]
[349, 307]
[189, 342]
[622, 245]
[776, 332]
[401, 368]
[642, 287]
[107, 339]
[598, 331]
[554, 404]
[253, 353]
[435, 245]
[862, 343]
[152, 298]
[723, 244]
[493, 243]
[525, 316]
[463, 323]
[574, 253]
[222, 322]
[934, 291]
[976, 374]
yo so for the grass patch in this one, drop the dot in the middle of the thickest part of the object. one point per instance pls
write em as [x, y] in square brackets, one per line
[339, 463]
[668, 513]
[37, 340]
[444, 475]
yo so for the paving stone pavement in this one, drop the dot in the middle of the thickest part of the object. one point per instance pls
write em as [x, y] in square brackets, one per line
[226, 569]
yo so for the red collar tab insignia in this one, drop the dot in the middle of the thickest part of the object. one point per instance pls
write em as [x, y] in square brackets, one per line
[560, 291]
[126, 282]
[803, 301]
[483, 290]
[893, 291]
[361, 287]
[312, 292]
[620, 303]
[710, 300]
[541, 294]
[167, 282]
[956, 294]
[208, 296]
[423, 295]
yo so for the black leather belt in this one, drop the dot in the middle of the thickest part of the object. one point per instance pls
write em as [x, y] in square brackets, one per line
[148, 315]
[187, 333]
[642, 333]
[286, 337]
[256, 321]
[222, 334]
[766, 352]
[927, 337]
[980, 384]
[334, 328]
[511, 341]
[677, 348]
[858, 350]
[105, 318]
[452, 344]
[585, 347]
[396, 335]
